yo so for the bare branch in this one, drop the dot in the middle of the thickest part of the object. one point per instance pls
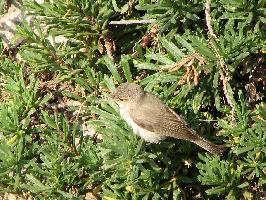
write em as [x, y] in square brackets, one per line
[208, 18]
[224, 75]
[132, 22]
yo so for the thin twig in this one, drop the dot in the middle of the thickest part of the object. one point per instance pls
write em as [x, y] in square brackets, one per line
[208, 18]
[132, 22]
[224, 75]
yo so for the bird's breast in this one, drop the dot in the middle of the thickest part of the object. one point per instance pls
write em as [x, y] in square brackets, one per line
[144, 134]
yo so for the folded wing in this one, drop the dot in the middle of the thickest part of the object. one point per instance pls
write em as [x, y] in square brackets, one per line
[159, 118]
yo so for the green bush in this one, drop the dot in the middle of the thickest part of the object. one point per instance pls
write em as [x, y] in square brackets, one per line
[206, 64]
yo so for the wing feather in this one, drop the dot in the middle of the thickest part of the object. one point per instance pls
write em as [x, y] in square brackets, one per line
[158, 117]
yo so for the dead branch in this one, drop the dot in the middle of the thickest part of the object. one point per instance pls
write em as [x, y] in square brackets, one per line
[132, 22]
[224, 75]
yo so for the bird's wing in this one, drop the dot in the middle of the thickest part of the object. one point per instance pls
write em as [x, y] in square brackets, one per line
[157, 118]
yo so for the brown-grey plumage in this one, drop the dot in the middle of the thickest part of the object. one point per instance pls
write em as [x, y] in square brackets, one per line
[153, 120]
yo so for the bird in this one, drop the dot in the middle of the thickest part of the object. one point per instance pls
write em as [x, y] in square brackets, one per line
[152, 120]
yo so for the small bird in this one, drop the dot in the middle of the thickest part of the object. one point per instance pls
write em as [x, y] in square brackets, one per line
[152, 120]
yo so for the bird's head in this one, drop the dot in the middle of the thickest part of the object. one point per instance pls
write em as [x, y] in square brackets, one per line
[127, 92]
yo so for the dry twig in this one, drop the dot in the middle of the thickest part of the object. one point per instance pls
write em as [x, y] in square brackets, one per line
[224, 75]
[132, 22]
[208, 18]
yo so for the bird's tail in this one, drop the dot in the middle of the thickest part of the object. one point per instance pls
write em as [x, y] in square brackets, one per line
[206, 144]
[210, 147]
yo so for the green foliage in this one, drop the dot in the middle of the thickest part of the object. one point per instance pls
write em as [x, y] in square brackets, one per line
[233, 176]
[174, 15]
[59, 140]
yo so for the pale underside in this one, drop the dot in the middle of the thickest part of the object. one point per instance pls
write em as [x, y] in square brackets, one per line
[144, 134]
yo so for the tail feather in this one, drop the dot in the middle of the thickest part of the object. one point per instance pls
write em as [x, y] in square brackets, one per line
[206, 144]
[210, 147]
